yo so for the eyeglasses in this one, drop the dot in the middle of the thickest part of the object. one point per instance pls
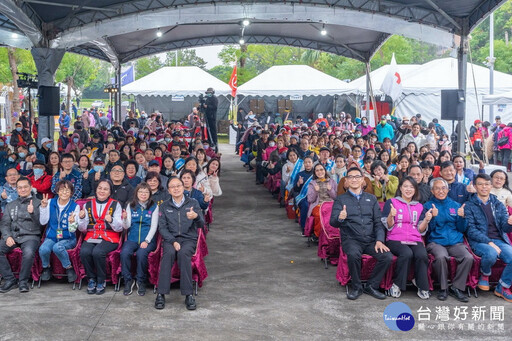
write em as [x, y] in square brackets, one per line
[117, 171]
[175, 186]
[64, 190]
[354, 177]
[440, 188]
[502, 178]
[483, 184]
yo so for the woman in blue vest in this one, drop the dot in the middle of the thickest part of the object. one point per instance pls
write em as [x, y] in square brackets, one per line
[61, 215]
[141, 220]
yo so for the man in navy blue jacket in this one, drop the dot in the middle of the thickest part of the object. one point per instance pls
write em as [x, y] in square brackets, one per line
[445, 239]
[488, 225]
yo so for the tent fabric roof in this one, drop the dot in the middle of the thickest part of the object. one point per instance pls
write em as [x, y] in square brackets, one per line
[122, 30]
[289, 80]
[358, 86]
[442, 73]
[176, 81]
[505, 98]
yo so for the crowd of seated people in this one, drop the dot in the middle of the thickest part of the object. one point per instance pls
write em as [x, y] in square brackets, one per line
[124, 186]
[400, 193]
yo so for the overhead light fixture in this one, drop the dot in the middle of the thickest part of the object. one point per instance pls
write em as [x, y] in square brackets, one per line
[14, 35]
[246, 22]
[158, 33]
[241, 41]
[323, 31]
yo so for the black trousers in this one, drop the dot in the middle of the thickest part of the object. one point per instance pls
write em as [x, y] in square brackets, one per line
[212, 125]
[29, 249]
[405, 255]
[354, 251]
[188, 247]
[94, 259]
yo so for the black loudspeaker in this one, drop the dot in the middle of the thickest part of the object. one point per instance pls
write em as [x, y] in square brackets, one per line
[49, 97]
[452, 105]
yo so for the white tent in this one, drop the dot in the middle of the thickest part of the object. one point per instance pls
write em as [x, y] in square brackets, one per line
[358, 86]
[422, 89]
[505, 98]
[176, 81]
[292, 80]
[174, 91]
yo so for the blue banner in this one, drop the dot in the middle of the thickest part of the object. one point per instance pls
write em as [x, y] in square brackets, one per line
[127, 76]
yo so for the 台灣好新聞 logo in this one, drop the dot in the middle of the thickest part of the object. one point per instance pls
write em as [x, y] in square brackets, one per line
[398, 316]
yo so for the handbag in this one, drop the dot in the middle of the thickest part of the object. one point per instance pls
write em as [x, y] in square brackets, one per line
[502, 141]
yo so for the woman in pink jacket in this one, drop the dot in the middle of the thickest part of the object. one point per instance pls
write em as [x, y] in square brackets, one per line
[322, 188]
[405, 223]
[506, 149]
[74, 144]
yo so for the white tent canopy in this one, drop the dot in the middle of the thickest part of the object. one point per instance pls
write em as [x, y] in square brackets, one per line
[176, 81]
[442, 73]
[291, 80]
[358, 86]
[505, 98]
[422, 89]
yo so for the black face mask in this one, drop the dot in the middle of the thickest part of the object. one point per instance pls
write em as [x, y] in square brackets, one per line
[378, 150]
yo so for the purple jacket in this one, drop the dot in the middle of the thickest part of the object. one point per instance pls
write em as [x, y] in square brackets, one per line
[313, 198]
[407, 219]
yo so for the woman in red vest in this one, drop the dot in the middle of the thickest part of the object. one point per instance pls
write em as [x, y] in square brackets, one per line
[101, 220]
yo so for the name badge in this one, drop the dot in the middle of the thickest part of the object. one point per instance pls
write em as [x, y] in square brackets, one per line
[59, 234]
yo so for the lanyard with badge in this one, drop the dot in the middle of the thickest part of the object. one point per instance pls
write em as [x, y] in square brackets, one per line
[59, 233]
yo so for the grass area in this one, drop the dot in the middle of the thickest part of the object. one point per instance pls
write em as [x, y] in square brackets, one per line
[86, 103]
[222, 138]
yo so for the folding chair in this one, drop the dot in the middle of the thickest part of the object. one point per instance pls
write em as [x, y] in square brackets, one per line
[199, 272]
[329, 238]
[15, 257]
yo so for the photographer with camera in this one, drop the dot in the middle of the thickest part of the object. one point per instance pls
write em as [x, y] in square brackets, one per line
[210, 109]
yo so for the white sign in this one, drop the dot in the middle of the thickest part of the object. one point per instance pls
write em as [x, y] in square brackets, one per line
[2, 100]
[178, 98]
[296, 97]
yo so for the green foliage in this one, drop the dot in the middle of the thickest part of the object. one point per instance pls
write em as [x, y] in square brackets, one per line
[221, 72]
[186, 57]
[24, 61]
[80, 69]
[146, 65]
[479, 39]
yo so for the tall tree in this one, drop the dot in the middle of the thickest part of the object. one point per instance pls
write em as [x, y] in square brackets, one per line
[77, 72]
[146, 65]
[186, 57]
[14, 70]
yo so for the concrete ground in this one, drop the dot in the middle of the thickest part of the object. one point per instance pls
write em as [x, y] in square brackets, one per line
[264, 284]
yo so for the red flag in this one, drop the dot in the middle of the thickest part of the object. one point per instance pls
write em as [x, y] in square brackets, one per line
[232, 82]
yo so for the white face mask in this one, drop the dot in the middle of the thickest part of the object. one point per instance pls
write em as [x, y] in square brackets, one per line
[272, 144]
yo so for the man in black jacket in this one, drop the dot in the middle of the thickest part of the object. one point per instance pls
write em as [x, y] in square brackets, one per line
[358, 216]
[20, 228]
[180, 217]
[122, 191]
[210, 106]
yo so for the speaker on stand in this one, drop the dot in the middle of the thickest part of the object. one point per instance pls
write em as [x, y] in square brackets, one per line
[49, 97]
[452, 108]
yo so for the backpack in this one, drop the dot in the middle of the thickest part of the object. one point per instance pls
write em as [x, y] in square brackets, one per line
[502, 139]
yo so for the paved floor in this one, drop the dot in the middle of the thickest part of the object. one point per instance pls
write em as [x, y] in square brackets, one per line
[264, 284]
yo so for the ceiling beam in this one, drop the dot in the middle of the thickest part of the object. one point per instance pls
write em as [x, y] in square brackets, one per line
[260, 11]
[15, 14]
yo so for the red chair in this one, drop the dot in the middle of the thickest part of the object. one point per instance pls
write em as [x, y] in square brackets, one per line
[15, 257]
[329, 238]
[74, 256]
[309, 228]
[496, 270]
[367, 265]
[208, 216]
[199, 272]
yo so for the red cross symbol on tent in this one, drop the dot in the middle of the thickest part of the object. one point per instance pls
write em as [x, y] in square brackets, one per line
[398, 79]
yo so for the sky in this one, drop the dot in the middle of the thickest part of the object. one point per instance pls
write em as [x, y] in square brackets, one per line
[209, 54]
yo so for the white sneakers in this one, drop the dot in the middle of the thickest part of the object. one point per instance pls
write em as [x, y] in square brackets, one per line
[395, 291]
